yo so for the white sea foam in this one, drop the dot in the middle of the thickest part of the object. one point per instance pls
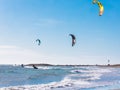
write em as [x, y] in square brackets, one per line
[70, 82]
[40, 67]
[28, 67]
[45, 67]
[90, 74]
[66, 83]
[92, 70]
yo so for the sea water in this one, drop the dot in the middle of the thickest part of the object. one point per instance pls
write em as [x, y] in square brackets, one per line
[59, 78]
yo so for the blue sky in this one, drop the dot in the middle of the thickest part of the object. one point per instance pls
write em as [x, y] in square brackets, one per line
[23, 21]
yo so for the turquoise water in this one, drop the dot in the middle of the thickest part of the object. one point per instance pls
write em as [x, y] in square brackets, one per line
[59, 78]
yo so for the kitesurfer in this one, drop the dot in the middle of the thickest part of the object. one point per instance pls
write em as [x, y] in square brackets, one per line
[35, 67]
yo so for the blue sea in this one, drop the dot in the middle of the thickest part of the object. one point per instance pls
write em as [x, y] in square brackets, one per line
[59, 78]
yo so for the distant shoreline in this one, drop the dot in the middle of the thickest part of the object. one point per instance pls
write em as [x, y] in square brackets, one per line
[112, 65]
[73, 65]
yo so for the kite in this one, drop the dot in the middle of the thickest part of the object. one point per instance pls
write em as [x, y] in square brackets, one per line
[73, 39]
[38, 40]
[101, 8]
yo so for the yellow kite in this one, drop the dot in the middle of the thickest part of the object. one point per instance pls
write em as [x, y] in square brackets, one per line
[101, 8]
[95, 1]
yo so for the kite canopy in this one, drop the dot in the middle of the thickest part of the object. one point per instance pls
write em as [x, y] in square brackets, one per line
[73, 39]
[101, 8]
[39, 42]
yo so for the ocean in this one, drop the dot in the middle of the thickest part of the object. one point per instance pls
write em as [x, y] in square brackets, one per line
[59, 78]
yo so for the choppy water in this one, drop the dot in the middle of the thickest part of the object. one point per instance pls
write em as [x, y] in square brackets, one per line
[59, 78]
